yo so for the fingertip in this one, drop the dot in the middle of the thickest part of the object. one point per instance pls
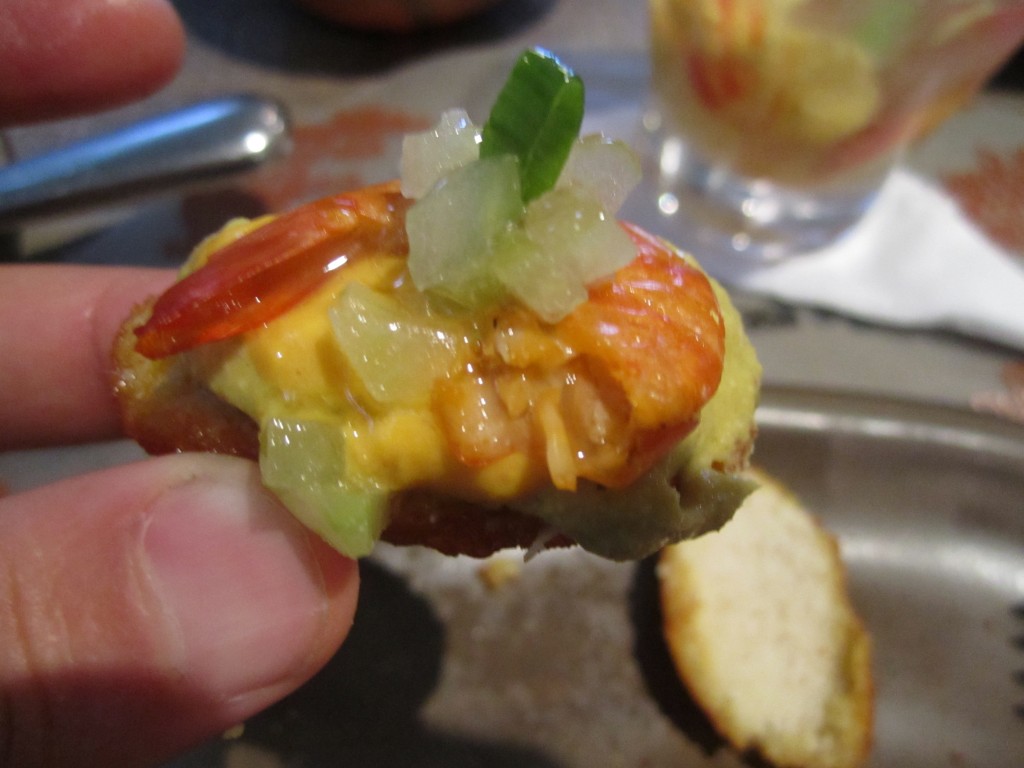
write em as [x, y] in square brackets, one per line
[59, 59]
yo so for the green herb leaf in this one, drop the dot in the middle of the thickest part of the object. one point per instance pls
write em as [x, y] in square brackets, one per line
[536, 118]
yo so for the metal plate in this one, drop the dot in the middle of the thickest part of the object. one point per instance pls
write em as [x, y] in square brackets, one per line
[565, 666]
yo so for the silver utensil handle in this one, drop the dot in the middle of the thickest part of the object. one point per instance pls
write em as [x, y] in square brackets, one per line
[203, 140]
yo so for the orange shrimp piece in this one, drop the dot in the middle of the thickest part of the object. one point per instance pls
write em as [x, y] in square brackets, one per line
[267, 271]
[605, 392]
[657, 328]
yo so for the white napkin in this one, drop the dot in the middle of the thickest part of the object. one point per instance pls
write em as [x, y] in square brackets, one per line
[914, 261]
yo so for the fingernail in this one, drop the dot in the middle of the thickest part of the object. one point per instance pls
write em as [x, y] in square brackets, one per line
[240, 583]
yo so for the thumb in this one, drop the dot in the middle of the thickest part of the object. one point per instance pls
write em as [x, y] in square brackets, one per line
[146, 608]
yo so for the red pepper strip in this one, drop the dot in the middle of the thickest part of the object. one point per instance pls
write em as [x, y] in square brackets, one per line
[264, 273]
[716, 81]
[724, 74]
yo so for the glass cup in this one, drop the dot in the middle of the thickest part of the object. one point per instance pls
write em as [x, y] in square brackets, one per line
[775, 122]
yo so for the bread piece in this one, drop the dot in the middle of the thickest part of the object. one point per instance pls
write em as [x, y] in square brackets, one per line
[167, 408]
[764, 636]
[168, 405]
[618, 427]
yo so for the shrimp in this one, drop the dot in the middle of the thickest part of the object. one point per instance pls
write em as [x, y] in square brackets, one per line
[606, 391]
[263, 274]
[601, 394]
[722, 41]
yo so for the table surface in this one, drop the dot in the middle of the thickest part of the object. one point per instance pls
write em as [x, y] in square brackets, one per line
[351, 96]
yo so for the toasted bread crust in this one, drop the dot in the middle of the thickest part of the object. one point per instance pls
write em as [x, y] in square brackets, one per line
[167, 408]
[456, 527]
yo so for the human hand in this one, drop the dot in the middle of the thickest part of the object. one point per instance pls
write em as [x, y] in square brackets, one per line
[147, 607]
[65, 57]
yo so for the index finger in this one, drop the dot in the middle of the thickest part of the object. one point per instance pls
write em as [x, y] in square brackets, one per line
[57, 327]
[60, 58]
